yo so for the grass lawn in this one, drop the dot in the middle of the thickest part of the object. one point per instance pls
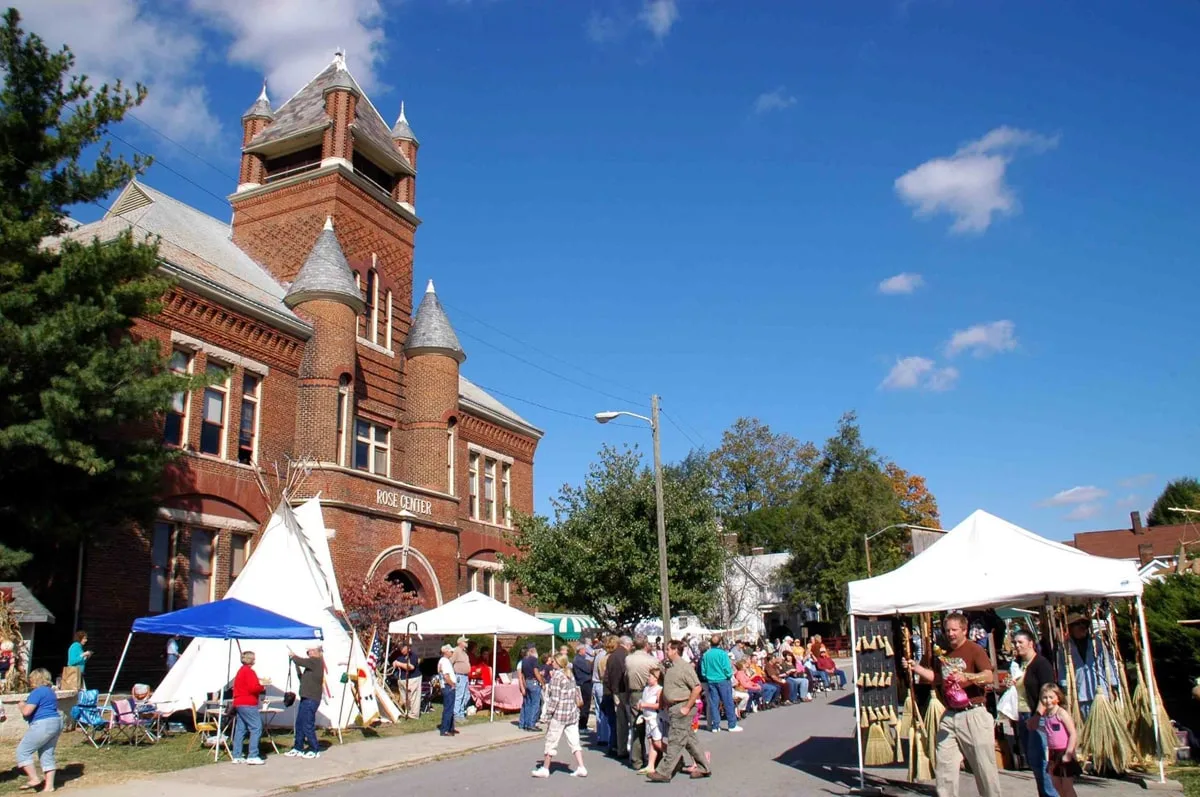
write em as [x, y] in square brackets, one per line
[80, 764]
[1189, 776]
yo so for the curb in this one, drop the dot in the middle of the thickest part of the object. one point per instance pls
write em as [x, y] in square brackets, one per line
[386, 768]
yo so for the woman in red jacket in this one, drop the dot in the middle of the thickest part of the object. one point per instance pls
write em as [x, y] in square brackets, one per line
[247, 689]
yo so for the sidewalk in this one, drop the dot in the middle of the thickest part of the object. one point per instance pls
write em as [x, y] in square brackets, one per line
[338, 762]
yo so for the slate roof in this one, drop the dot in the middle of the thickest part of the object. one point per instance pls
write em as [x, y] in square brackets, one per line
[305, 111]
[401, 129]
[192, 243]
[27, 608]
[326, 274]
[473, 397]
[261, 106]
[431, 329]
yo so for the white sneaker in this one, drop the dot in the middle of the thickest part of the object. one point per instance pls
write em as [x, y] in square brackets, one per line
[736, 729]
[714, 730]
[293, 753]
[239, 761]
[540, 772]
[255, 761]
[310, 754]
[579, 772]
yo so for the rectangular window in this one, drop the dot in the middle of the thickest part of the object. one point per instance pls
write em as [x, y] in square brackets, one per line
[248, 431]
[175, 427]
[203, 551]
[388, 337]
[212, 425]
[371, 447]
[488, 587]
[160, 567]
[489, 490]
[343, 405]
[372, 311]
[506, 493]
[239, 552]
[451, 446]
[472, 578]
[473, 480]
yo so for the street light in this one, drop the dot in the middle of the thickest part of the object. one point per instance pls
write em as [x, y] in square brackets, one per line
[605, 417]
[868, 537]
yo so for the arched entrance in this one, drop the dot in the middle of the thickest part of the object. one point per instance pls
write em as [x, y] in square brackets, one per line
[405, 579]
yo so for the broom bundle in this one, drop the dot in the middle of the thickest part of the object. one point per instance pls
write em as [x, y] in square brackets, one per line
[1105, 737]
[919, 766]
[879, 751]
[1142, 714]
[933, 718]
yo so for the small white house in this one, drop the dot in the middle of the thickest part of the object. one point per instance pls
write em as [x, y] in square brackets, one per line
[29, 613]
[752, 597]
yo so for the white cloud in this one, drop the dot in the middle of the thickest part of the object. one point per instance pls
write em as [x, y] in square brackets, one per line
[602, 28]
[1136, 481]
[1076, 495]
[983, 339]
[776, 100]
[289, 45]
[970, 185]
[1084, 512]
[901, 283]
[659, 16]
[911, 373]
[1130, 500]
[127, 41]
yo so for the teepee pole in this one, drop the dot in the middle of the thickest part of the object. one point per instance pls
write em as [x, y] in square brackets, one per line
[1152, 687]
[117, 672]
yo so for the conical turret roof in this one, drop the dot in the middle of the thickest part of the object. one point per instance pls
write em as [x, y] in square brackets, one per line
[431, 331]
[401, 131]
[261, 106]
[326, 275]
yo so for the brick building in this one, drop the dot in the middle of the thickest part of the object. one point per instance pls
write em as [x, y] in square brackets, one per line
[302, 310]
[1141, 544]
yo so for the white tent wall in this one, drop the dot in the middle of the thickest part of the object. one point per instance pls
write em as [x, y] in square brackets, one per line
[287, 574]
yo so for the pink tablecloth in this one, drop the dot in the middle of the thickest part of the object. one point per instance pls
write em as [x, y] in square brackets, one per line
[508, 696]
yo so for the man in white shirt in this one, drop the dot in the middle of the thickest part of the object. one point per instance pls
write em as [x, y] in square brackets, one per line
[449, 681]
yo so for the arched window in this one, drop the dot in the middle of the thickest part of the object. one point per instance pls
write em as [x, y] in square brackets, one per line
[372, 311]
[451, 447]
[343, 417]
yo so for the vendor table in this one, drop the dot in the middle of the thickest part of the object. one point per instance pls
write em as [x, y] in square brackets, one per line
[508, 696]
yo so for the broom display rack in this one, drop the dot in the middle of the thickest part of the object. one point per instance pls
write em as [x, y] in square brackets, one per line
[877, 682]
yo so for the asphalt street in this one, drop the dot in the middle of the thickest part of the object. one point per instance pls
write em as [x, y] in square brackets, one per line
[805, 748]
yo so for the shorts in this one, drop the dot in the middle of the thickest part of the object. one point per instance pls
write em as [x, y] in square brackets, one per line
[653, 727]
[556, 731]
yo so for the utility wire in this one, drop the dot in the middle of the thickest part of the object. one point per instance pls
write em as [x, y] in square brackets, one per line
[171, 169]
[681, 431]
[207, 163]
[568, 413]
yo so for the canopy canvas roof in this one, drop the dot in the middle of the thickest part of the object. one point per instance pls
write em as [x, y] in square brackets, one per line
[985, 561]
[568, 626]
[227, 619]
[473, 613]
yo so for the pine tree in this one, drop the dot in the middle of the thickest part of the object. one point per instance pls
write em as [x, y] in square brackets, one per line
[78, 394]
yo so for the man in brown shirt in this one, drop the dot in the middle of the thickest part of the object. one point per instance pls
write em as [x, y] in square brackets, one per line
[462, 675]
[637, 673]
[681, 690]
[968, 729]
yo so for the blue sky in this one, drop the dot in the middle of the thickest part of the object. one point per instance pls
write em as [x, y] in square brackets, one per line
[727, 204]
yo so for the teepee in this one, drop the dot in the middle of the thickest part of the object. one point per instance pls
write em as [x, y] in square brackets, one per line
[289, 572]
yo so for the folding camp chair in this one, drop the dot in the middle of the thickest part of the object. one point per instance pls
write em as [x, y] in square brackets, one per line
[90, 718]
[126, 724]
[210, 726]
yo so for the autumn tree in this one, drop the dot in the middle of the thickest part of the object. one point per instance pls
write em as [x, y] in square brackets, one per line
[372, 603]
[919, 506]
[1182, 494]
[599, 553]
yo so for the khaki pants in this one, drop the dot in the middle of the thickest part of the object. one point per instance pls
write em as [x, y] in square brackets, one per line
[969, 733]
[681, 737]
[556, 731]
[410, 696]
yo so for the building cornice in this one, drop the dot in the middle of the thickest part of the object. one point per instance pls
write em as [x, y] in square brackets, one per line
[401, 210]
[233, 301]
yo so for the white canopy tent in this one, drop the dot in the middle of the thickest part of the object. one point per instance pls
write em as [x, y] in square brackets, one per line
[473, 613]
[985, 562]
[290, 572]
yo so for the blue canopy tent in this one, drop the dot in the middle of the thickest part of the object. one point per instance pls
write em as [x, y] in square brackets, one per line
[227, 619]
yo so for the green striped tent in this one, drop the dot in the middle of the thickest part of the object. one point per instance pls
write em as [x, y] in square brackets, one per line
[568, 626]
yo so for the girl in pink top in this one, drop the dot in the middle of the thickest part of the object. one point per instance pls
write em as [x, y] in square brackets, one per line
[1060, 740]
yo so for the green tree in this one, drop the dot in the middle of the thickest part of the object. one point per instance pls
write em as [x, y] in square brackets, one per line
[846, 495]
[78, 395]
[756, 468]
[1181, 493]
[599, 555]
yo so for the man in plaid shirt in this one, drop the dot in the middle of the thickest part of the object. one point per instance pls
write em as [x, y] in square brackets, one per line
[562, 711]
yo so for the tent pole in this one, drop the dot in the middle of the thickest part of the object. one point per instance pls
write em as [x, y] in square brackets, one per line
[1152, 688]
[221, 703]
[387, 652]
[121, 661]
[862, 777]
[492, 715]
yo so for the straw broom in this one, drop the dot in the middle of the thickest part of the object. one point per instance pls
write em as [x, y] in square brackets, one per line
[1142, 723]
[879, 750]
[1105, 736]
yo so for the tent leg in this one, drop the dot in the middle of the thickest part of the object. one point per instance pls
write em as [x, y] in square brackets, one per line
[1151, 688]
[858, 741]
[120, 661]
[492, 707]
[221, 703]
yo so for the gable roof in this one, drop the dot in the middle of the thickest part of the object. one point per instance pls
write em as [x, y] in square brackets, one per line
[304, 113]
[27, 608]
[475, 399]
[195, 247]
[1124, 543]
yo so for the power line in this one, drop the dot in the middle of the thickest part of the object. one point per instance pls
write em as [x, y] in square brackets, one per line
[544, 353]
[568, 413]
[687, 426]
[207, 163]
[171, 169]
[681, 431]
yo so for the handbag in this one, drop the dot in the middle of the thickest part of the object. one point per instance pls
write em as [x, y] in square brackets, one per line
[72, 678]
[1007, 704]
[289, 697]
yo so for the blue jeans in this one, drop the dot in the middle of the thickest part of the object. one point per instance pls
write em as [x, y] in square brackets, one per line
[823, 677]
[247, 717]
[608, 708]
[462, 693]
[602, 726]
[40, 740]
[531, 706]
[721, 691]
[798, 688]
[841, 676]
[1033, 747]
[769, 693]
[306, 725]
[448, 700]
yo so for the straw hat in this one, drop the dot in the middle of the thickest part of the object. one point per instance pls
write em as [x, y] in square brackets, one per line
[1076, 617]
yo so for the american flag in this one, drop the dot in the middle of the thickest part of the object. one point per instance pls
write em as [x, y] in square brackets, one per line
[376, 653]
